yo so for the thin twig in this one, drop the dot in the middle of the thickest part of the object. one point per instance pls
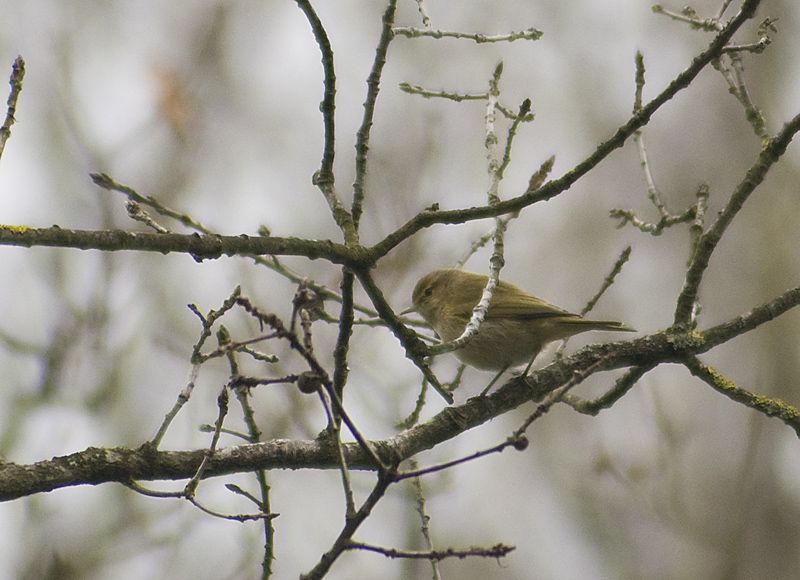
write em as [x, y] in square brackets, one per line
[373, 87]
[423, 12]
[222, 405]
[607, 283]
[324, 177]
[254, 436]
[270, 261]
[351, 525]
[527, 34]
[496, 261]
[335, 431]
[136, 213]
[424, 518]
[183, 398]
[496, 551]
[609, 280]
[607, 399]
[107, 182]
[458, 97]
[15, 80]
[517, 439]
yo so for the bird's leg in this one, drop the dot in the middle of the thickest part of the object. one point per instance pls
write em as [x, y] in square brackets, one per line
[530, 364]
[493, 381]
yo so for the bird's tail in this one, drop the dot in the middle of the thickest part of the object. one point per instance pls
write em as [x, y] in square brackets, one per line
[610, 325]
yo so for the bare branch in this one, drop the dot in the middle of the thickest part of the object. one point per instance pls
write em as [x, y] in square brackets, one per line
[624, 384]
[414, 347]
[94, 466]
[769, 407]
[496, 551]
[458, 97]
[423, 12]
[771, 153]
[553, 188]
[351, 525]
[374, 85]
[200, 247]
[324, 177]
[527, 34]
[17, 75]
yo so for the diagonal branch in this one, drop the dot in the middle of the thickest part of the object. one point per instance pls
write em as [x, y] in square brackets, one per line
[770, 153]
[415, 348]
[94, 466]
[769, 407]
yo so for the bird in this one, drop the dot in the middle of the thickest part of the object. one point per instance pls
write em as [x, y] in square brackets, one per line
[516, 327]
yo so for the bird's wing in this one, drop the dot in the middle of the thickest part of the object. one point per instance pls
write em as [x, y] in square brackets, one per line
[508, 301]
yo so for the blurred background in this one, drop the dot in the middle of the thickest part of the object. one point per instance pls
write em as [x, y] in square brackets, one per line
[212, 107]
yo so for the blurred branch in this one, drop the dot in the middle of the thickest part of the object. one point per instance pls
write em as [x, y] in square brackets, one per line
[15, 80]
[496, 551]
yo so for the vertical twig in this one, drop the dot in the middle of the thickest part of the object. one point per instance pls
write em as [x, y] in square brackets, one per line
[346, 317]
[770, 153]
[254, 436]
[17, 74]
[350, 506]
[423, 12]
[373, 87]
[324, 178]
[424, 518]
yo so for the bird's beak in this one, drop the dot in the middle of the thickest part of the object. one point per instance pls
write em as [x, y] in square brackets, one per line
[408, 311]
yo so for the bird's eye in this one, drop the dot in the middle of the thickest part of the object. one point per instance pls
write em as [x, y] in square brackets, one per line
[428, 291]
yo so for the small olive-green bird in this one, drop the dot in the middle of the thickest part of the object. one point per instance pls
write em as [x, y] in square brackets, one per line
[517, 325]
